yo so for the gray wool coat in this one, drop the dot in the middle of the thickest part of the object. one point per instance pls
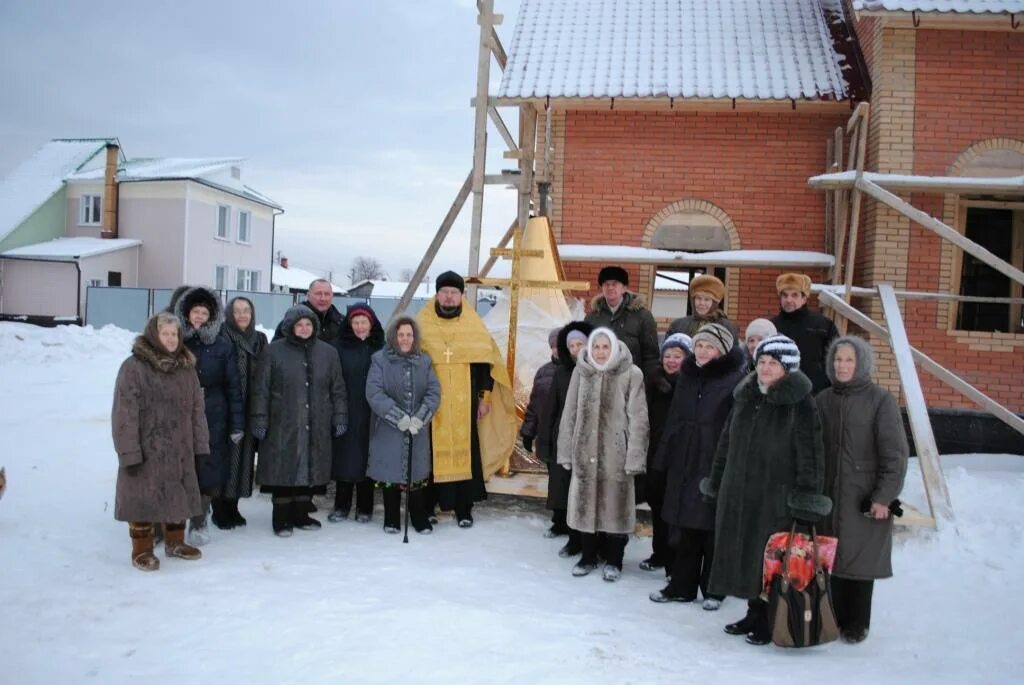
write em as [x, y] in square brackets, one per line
[866, 453]
[299, 397]
[603, 438]
[159, 426]
[768, 469]
[400, 384]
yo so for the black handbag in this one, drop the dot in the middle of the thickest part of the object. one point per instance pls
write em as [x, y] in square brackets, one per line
[801, 618]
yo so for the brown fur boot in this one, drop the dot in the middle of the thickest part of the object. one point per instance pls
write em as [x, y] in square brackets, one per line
[142, 547]
[174, 543]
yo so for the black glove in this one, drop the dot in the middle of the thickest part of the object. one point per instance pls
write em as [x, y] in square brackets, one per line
[259, 432]
[895, 507]
[527, 443]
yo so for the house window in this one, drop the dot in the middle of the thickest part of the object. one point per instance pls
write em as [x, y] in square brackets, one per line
[114, 279]
[220, 277]
[248, 280]
[999, 228]
[244, 220]
[223, 221]
[91, 210]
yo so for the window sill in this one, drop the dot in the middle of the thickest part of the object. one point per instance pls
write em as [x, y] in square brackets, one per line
[244, 242]
[223, 240]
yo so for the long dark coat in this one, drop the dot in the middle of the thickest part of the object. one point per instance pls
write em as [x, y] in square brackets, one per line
[400, 384]
[634, 325]
[769, 467]
[159, 427]
[700, 407]
[865, 458]
[329, 324]
[249, 345]
[352, 449]
[217, 367]
[550, 417]
[299, 398]
[603, 438]
[650, 487]
[813, 333]
[542, 382]
[692, 323]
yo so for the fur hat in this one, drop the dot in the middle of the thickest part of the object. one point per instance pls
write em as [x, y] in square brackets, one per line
[450, 279]
[680, 340]
[613, 273]
[791, 281]
[709, 285]
[780, 348]
[717, 335]
[762, 328]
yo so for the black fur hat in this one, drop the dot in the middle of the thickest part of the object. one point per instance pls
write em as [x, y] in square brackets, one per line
[613, 273]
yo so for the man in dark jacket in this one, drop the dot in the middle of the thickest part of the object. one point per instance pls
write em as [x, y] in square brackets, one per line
[320, 298]
[627, 315]
[811, 331]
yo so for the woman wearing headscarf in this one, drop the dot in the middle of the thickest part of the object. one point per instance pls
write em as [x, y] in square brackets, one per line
[299, 405]
[202, 317]
[159, 431]
[403, 393]
[768, 470]
[603, 439]
[249, 345]
[360, 337]
[865, 463]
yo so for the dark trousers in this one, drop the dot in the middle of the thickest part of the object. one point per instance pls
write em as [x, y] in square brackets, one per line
[558, 523]
[691, 562]
[654, 488]
[610, 546]
[852, 601]
[459, 497]
[364, 496]
[417, 507]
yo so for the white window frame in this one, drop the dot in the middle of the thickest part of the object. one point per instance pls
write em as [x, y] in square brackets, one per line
[247, 240]
[247, 280]
[90, 204]
[227, 223]
[221, 284]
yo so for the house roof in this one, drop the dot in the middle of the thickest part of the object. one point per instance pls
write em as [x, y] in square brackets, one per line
[394, 289]
[944, 6]
[70, 249]
[197, 169]
[294, 278]
[748, 49]
[36, 179]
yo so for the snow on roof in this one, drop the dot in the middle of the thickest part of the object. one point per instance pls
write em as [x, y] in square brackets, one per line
[70, 249]
[294, 278]
[648, 255]
[952, 6]
[32, 183]
[395, 289]
[981, 183]
[672, 48]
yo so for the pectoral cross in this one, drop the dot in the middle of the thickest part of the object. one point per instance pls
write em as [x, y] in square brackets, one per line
[447, 355]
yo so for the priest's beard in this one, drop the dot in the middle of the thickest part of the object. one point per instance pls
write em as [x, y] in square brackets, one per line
[447, 312]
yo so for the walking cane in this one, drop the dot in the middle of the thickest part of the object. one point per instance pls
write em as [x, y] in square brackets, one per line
[408, 485]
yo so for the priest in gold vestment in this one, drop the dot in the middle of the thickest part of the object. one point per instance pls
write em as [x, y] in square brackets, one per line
[474, 430]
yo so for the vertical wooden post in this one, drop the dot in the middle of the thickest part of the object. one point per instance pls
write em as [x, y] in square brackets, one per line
[917, 410]
[527, 152]
[485, 19]
[851, 250]
[838, 207]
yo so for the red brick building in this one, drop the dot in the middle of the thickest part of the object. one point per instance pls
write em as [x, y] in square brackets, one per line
[694, 125]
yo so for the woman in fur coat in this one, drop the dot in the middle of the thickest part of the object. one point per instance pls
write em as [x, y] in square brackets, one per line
[603, 439]
[768, 470]
[249, 345]
[299, 405]
[572, 338]
[159, 431]
[865, 463]
[700, 406]
[403, 392]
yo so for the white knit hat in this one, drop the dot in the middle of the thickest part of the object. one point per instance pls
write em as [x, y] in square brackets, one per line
[780, 348]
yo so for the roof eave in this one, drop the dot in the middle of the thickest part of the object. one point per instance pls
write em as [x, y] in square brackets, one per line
[668, 104]
[958, 21]
[210, 184]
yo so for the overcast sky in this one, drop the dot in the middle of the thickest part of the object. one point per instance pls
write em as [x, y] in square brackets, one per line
[354, 116]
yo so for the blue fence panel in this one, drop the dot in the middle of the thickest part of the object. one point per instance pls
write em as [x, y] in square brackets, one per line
[126, 308]
[270, 307]
[161, 298]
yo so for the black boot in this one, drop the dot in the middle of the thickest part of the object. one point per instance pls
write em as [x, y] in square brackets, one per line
[236, 515]
[745, 624]
[221, 514]
[761, 631]
[392, 509]
[418, 512]
[300, 514]
[282, 516]
[573, 547]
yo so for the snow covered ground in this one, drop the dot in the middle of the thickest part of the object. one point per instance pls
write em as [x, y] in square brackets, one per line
[489, 604]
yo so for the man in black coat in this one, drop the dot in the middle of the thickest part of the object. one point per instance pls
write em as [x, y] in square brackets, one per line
[320, 298]
[811, 331]
[627, 315]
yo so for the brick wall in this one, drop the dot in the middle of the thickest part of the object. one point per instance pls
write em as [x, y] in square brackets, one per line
[619, 169]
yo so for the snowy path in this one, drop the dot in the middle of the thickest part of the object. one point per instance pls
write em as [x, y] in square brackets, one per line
[490, 604]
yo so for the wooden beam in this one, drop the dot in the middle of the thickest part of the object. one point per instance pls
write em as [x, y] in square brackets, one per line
[435, 244]
[483, 77]
[917, 409]
[928, 364]
[486, 269]
[839, 206]
[499, 124]
[502, 179]
[944, 231]
[966, 185]
[858, 114]
[553, 285]
[920, 295]
[527, 142]
[509, 252]
[863, 109]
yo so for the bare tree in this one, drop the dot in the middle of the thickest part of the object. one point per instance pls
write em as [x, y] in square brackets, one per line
[366, 268]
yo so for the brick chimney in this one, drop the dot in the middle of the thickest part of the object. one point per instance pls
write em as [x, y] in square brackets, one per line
[284, 262]
[110, 193]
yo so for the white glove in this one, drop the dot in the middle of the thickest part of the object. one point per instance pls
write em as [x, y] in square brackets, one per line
[415, 425]
[404, 423]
